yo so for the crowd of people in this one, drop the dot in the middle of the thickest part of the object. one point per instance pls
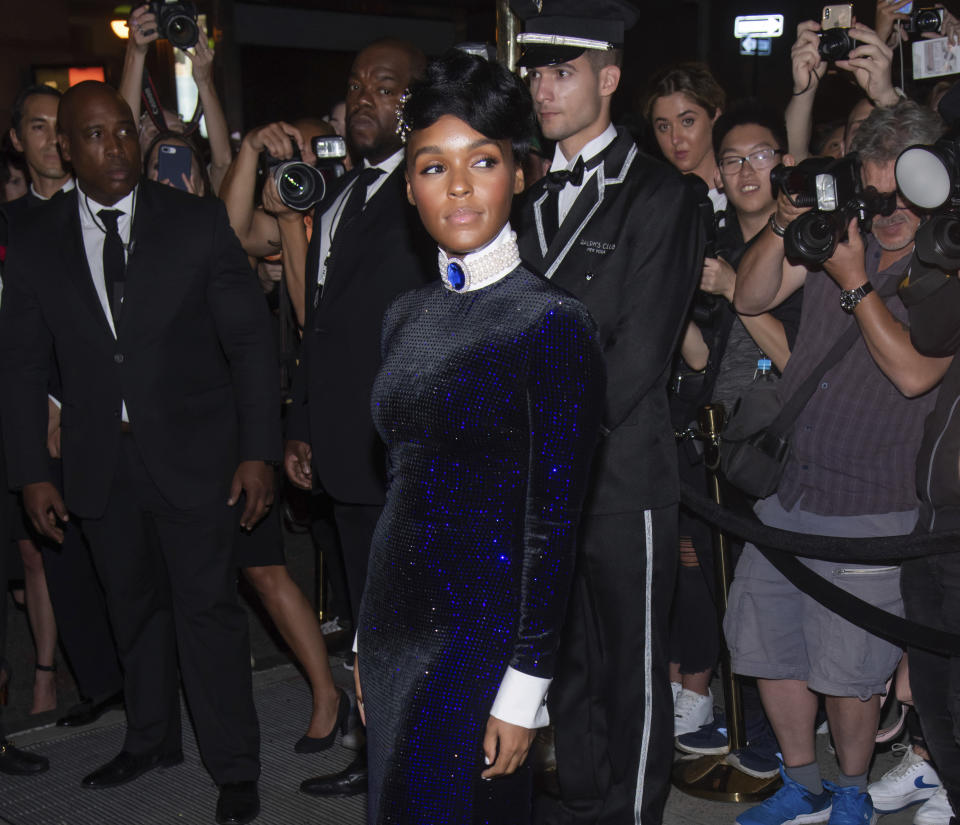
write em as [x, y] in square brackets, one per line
[479, 357]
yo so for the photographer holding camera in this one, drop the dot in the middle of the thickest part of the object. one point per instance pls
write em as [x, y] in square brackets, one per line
[849, 474]
[144, 29]
[869, 63]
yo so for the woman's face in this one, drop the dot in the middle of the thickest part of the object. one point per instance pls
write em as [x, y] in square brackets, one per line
[153, 168]
[462, 183]
[684, 131]
[16, 186]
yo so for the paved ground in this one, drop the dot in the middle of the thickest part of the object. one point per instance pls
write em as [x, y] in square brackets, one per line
[184, 793]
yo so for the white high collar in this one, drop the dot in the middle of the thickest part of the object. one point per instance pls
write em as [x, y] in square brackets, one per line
[483, 266]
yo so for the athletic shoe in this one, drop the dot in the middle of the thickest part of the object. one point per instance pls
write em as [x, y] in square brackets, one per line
[676, 687]
[936, 810]
[850, 807]
[331, 626]
[793, 804]
[707, 740]
[691, 711]
[911, 780]
[753, 762]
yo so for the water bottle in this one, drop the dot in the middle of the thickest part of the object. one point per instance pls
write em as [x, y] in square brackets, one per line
[764, 372]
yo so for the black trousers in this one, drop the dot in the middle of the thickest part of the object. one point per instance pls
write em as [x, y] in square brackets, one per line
[610, 701]
[170, 581]
[355, 526]
[931, 596]
[80, 608]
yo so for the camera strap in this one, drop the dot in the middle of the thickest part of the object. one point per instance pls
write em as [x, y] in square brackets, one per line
[151, 105]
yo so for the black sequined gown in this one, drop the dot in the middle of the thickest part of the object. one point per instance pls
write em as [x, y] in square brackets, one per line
[489, 403]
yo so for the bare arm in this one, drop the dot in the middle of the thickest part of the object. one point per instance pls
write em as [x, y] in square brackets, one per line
[293, 248]
[258, 232]
[719, 278]
[870, 63]
[765, 277]
[217, 131]
[143, 31]
[693, 349]
[887, 339]
[768, 334]
[808, 69]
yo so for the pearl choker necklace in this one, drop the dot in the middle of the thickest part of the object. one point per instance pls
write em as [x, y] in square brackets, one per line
[483, 267]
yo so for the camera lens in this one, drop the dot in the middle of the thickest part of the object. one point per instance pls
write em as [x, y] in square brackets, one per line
[182, 31]
[835, 44]
[299, 185]
[926, 20]
[812, 238]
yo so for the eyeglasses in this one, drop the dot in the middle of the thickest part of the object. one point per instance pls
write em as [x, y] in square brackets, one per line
[759, 160]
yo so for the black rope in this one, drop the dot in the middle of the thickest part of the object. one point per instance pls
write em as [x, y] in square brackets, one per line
[781, 548]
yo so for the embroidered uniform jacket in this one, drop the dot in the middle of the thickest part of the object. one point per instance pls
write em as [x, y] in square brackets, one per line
[630, 248]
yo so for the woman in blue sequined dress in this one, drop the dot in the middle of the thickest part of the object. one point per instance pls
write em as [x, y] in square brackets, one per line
[489, 401]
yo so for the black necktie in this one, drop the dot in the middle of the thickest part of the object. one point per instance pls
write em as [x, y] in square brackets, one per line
[114, 262]
[358, 195]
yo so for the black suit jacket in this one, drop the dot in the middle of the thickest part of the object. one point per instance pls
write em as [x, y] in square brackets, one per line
[194, 358]
[631, 248]
[384, 251]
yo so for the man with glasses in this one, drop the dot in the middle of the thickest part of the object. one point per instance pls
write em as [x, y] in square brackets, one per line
[850, 474]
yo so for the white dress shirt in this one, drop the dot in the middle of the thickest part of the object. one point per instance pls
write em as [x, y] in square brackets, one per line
[330, 219]
[94, 234]
[65, 188]
[561, 163]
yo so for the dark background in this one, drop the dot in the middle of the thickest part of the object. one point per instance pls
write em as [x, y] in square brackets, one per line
[288, 59]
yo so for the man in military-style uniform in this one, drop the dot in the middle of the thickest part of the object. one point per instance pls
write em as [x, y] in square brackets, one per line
[619, 230]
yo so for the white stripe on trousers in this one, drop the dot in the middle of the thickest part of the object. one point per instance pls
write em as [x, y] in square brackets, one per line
[647, 663]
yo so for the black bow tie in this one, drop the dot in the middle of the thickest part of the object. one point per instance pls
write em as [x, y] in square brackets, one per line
[557, 180]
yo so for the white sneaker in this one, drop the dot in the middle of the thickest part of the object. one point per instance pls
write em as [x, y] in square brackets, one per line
[691, 711]
[911, 780]
[676, 687]
[936, 810]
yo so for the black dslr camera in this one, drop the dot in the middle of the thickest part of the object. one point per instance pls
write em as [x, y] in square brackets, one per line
[834, 189]
[176, 22]
[922, 20]
[300, 185]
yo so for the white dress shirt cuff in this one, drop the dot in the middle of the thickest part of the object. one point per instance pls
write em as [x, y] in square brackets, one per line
[522, 700]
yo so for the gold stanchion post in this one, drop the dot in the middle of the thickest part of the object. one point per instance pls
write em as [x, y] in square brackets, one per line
[713, 777]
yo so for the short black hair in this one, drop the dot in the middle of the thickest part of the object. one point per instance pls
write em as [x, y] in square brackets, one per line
[750, 112]
[16, 117]
[481, 93]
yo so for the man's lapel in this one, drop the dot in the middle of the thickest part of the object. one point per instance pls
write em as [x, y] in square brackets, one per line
[617, 158]
[75, 257]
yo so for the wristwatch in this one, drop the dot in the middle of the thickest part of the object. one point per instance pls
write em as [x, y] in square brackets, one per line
[849, 298]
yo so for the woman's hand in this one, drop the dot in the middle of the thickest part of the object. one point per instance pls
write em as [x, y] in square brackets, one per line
[808, 67]
[356, 685]
[142, 27]
[202, 59]
[888, 14]
[505, 746]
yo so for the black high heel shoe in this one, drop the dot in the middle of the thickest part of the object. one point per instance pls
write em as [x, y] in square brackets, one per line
[311, 744]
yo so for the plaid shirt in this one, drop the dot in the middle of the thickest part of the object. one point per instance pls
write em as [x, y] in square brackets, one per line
[855, 444]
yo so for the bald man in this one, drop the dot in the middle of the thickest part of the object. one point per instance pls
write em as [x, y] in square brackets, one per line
[170, 422]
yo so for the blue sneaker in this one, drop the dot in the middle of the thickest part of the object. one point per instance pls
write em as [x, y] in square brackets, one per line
[850, 807]
[791, 805]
